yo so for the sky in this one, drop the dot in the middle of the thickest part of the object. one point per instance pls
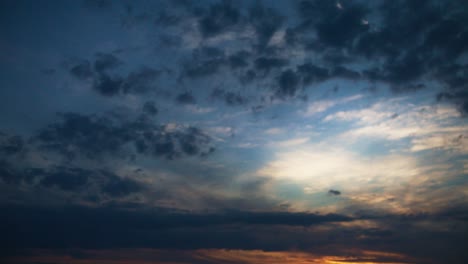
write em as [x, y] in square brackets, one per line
[178, 131]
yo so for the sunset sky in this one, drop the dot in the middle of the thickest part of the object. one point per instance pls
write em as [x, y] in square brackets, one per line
[243, 131]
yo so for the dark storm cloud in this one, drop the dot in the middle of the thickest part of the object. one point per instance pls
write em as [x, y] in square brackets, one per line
[266, 22]
[288, 82]
[80, 134]
[239, 59]
[82, 70]
[342, 72]
[68, 179]
[92, 137]
[311, 73]
[415, 45]
[419, 43]
[343, 27]
[11, 144]
[185, 98]
[230, 98]
[81, 180]
[105, 62]
[266, 64]
[141, 80]
[460, 98]
[205, 61]
[74, 180]
[203, 68]
[115, 186]
[109, 83]
[8, 173]
[220, 17]
[150, 108]
[113, 227]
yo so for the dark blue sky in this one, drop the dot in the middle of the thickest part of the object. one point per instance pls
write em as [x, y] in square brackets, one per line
[308, 131]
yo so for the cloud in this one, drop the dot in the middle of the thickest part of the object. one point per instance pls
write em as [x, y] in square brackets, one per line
[426, 126]
[107, 85]
[89, 225]
[141, 80]
[220, 17]
[76, 135]
[84, 184]
[230, 98]
[185, 98]
[324, 105]
[107, 82]
[239, 59]
[105, 62]
[343, 26]
[288, 83]
[150, 108]
[266, 21]
[11, 145]
[311, 73]
[324, 168]
[266, 64]
[82, 70]
[205, 61]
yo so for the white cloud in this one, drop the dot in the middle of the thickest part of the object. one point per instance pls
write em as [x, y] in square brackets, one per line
[274, 131]
[291, 142]
[428, 127]
[323, 105]
[320, 168]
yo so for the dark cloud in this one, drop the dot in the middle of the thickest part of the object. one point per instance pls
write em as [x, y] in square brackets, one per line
[68, 179]
[105, 62]
[140, 81]
[88, 135]
[107, 227]
[311, 73]
[420, 43]
[7, 173]
[266, 64]
[81, 182]
[11, 145]
[239, 59]
[343, 27]
[342, 72]
[460, 98]
[150, 108]
[203, 69]
[230, 98]
[205, 61]
[221, 16]
[82, 70]
[116, 186]
[185, 98]
[108, 85]
[288, 83]
[114, 227]
[94, 137]
[266, 22]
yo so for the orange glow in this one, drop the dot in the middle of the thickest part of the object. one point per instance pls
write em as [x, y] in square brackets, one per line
[155, 256]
